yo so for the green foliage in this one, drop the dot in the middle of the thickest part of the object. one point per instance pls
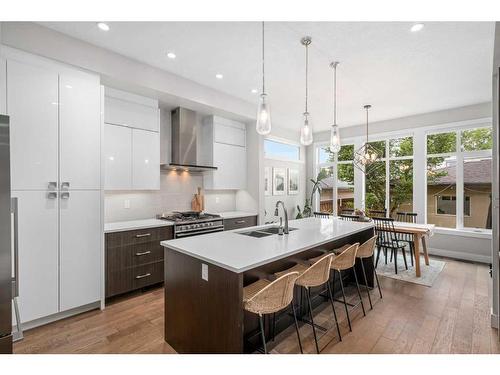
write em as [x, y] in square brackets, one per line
[441, 143]
[401, 147]
[477, 139]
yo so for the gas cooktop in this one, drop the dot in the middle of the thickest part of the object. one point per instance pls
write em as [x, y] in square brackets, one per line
[188, 217]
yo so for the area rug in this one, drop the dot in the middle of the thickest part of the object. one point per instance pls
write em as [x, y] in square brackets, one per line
[429, 273]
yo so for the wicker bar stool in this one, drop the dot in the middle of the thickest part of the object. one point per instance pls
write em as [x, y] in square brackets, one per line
[312, 276]
[266, 297]
[343, 262]
[366, 251]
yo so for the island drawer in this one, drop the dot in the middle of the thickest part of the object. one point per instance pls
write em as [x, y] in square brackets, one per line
[240, 222]
[118, 258]
[122, 281]
[133, 237]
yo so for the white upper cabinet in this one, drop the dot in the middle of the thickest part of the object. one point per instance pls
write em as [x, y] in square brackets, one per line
[224, 147]
[134, 111]
[80, 127]
[145, 160]
[131, 142]
[32, 104]
[80, 254]
[117, 153]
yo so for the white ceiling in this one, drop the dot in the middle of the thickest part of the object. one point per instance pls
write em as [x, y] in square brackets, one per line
[446, 65]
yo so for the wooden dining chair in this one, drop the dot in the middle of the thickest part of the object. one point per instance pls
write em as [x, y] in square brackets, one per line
[407, 217]
[377, 213]
[322, 215]
[388, 240]
[347, 217]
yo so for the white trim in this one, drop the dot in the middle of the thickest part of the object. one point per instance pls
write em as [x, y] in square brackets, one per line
[494, 320]
[460, 255]
[60, 315]
[486, 234]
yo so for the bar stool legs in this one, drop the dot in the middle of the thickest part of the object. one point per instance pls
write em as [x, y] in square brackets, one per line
[297, 327]
[343, 297]
[359, 291]
[376, 277]
[263, 336]
[366, 283]
[311, 317]
[333, 308]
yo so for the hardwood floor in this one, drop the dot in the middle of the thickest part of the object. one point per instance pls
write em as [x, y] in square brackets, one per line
[453, 316]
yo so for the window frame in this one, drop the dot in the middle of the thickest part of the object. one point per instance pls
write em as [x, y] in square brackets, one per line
[460, 156]
[287, 143]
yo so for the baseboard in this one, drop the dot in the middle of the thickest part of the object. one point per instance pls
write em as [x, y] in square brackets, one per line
[494, 321]
[459, 255]
[62, 315]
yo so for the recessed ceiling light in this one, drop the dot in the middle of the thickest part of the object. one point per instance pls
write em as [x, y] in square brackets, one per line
[171, 55]
[219, 76]
[417, 27]
[254, 91]
[103, 26]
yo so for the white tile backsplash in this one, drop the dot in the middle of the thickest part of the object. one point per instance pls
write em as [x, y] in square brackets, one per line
[175, 194]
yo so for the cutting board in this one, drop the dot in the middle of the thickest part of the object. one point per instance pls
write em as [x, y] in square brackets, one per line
[198, 201]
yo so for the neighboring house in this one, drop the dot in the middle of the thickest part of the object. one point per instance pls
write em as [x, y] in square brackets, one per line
[345, 195]
[441, 196]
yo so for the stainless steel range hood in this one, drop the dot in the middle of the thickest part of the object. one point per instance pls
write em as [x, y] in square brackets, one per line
[184, 143]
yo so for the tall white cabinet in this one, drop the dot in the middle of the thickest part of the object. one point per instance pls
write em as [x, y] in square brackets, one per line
[56, 175]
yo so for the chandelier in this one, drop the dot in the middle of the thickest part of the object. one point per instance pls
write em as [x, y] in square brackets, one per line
[367, 155]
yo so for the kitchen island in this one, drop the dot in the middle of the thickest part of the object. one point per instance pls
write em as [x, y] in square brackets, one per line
[205, 276]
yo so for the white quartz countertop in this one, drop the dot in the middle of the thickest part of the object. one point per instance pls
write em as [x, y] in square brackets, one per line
[121, 226]
[239, 253]
[235, 214]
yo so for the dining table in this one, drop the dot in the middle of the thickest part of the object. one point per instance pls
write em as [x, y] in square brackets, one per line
[420, 233]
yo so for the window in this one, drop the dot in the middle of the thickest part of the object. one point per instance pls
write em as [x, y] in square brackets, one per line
[459, 178]
[441, 179]
[279, 150]
[389, 182]
[446, 205]
[477, 190]
[339, 165]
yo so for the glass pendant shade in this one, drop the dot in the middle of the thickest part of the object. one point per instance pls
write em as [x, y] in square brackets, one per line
[335, 139]
[306, 131]
[263, 124]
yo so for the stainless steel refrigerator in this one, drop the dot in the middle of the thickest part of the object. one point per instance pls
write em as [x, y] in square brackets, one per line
[6, 261]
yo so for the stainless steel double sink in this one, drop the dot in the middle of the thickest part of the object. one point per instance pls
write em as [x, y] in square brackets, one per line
[264, 232]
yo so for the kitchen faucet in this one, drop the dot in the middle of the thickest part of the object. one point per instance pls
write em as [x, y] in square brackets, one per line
[276, 212]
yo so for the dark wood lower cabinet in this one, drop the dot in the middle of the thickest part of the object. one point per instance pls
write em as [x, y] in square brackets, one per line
[240, 222]
[134, 259]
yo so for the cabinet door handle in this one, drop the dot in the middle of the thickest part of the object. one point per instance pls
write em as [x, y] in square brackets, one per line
[65, 195]
[144, 253]
[240, 222]
[52, 185]
[142, 235]
[143, 276]
[52, 195]
[65, 185]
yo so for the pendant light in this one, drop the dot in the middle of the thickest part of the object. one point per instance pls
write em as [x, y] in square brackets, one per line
[263, 124]
[306, 136]
[367, 155]
[334, 131]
